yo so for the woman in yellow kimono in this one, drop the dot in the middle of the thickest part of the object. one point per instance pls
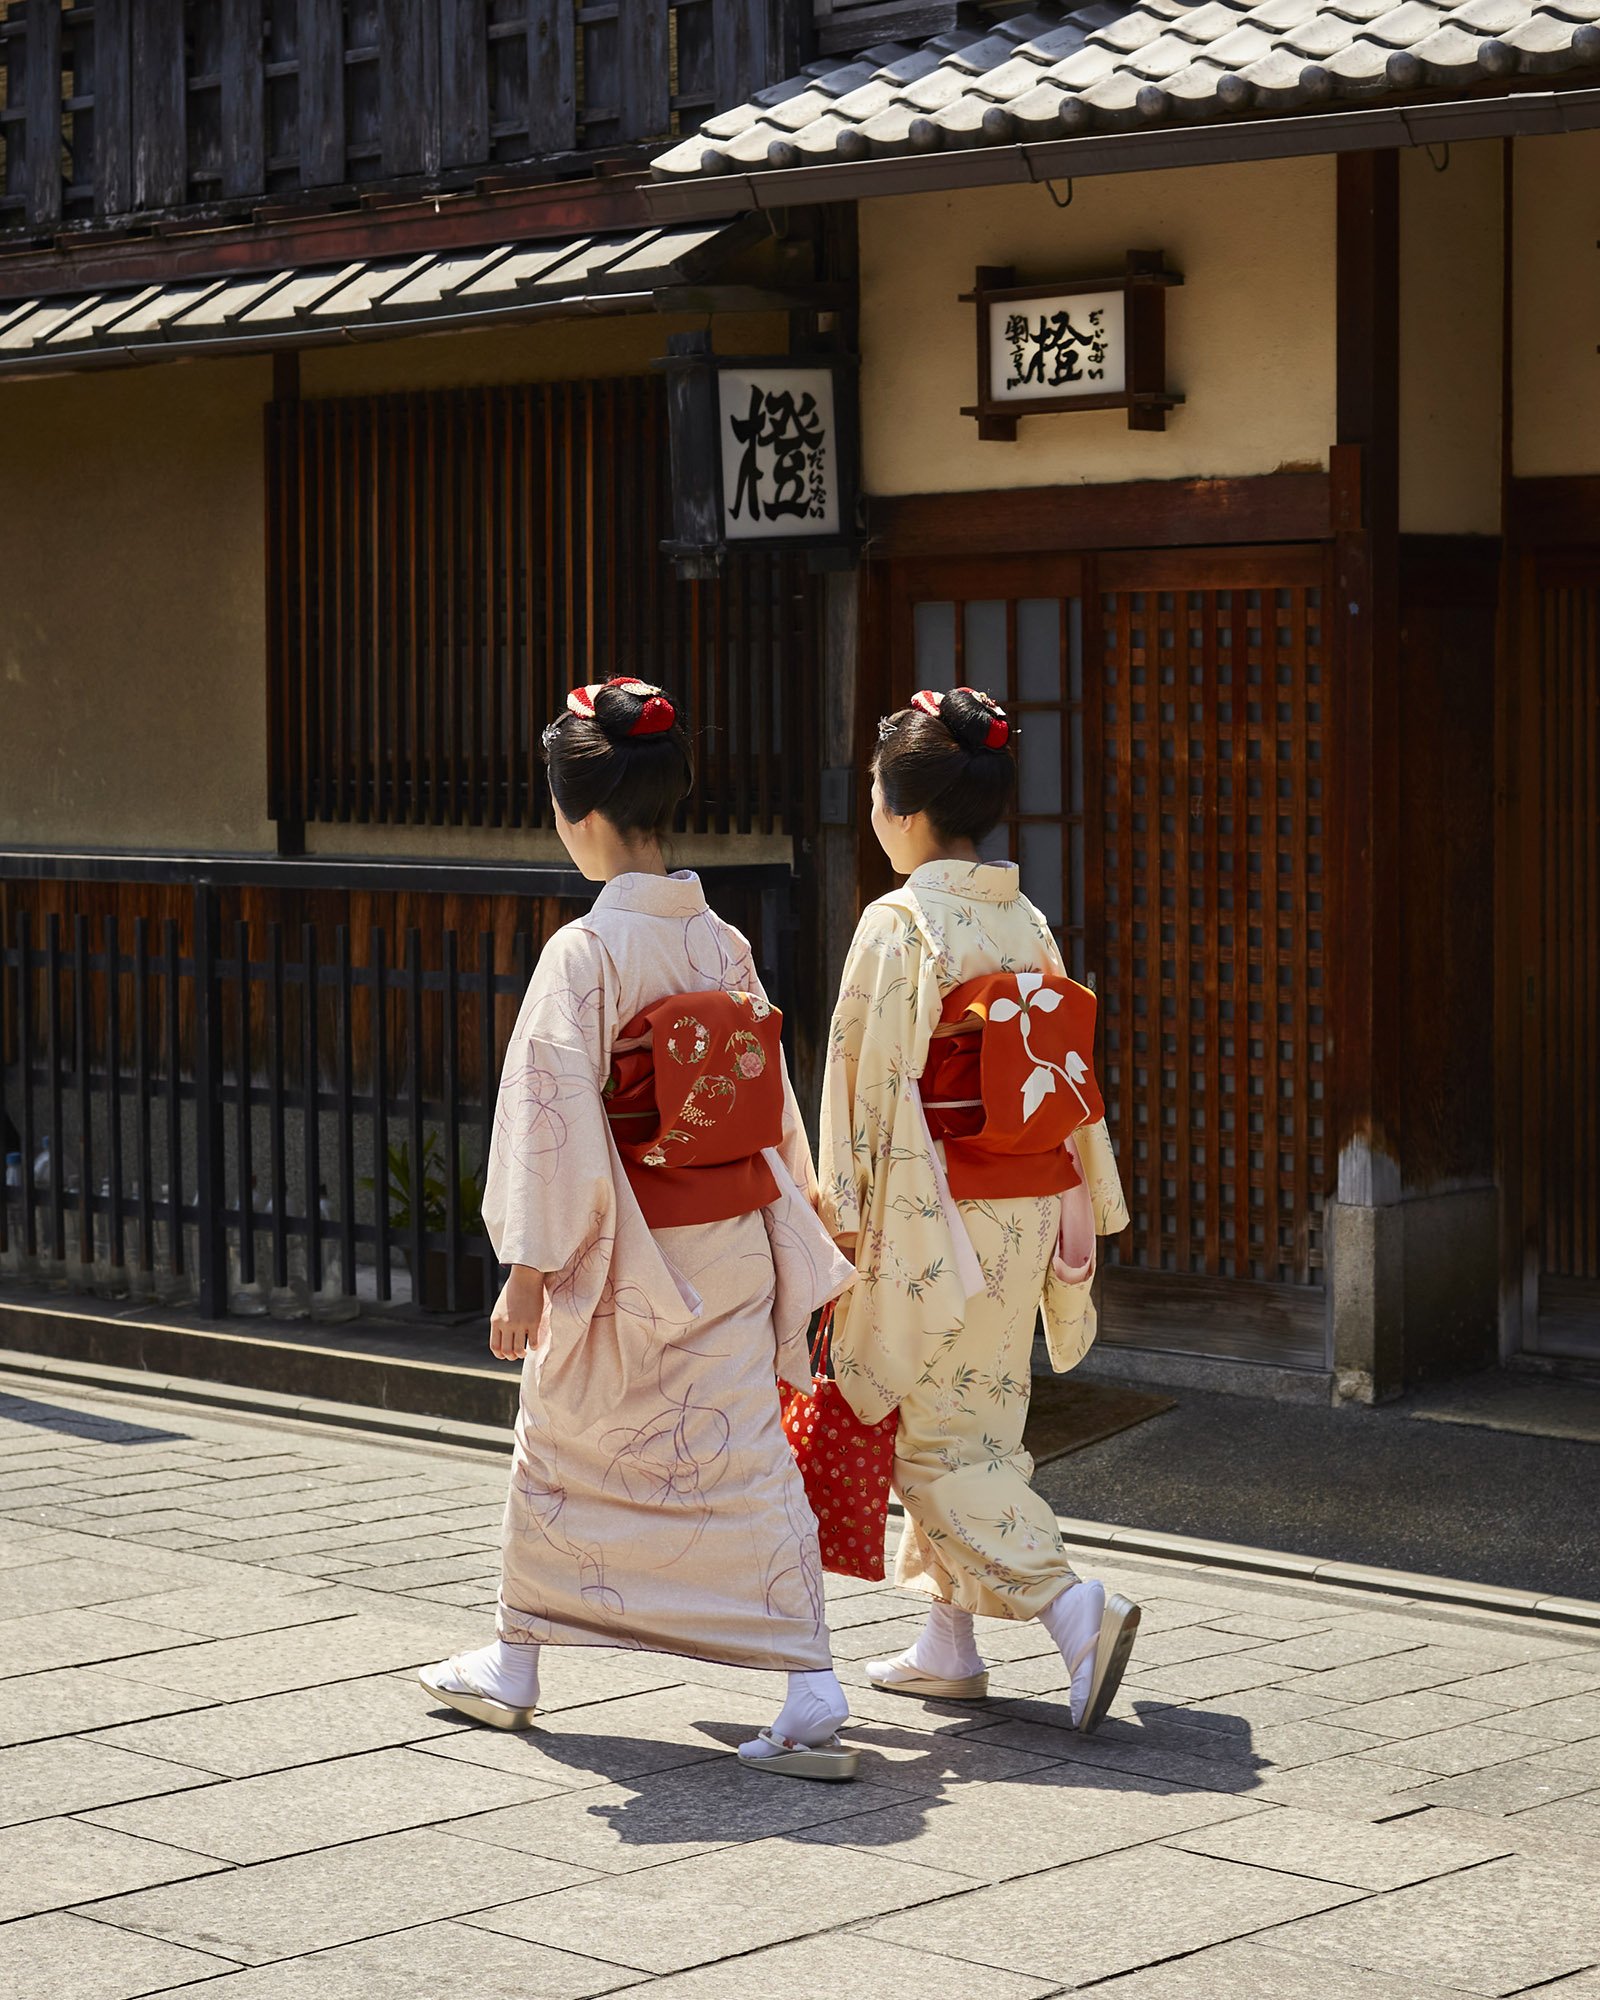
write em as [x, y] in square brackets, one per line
[966, 1167]
[651, 1188]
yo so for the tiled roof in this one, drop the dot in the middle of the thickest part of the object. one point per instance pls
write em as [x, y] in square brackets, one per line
[1056, 72]
[301, 305]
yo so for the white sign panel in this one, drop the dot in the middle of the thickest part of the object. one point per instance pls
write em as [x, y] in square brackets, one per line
[1049, 348]
[780, 455]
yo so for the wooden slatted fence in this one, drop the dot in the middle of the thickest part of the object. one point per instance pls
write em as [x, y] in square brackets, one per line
[443, 566]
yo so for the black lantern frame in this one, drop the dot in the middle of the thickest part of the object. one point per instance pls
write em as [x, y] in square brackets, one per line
[699, 541]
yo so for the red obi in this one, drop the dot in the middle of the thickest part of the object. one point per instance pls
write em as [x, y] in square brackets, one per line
[1008, 1080]
[695, 1092]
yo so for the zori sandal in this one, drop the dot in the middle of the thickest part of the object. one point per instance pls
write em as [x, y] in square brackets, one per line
[901, 1677]
[785, 1758]
[1119, 1626]
[449, 1684]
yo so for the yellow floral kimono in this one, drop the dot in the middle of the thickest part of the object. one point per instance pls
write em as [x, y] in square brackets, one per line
[946, 1339]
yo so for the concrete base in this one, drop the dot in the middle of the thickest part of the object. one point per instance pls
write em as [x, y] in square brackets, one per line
[419, 1370]
[1413, 1291]
[1159, 1368]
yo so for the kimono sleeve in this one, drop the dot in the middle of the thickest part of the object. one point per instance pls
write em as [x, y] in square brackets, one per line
[1093, 1141]
[868, 1056]
[550, 1168]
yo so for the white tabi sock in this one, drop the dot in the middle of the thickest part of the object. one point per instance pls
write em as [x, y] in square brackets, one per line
[812, 1714]
[945, 1649]
[504, 1673]
[1073, 1621]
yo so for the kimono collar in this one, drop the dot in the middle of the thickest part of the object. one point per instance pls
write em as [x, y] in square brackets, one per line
[972, 881]
[678, 895]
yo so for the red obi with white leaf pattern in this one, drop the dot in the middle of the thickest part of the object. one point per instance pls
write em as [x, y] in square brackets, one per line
[695, 1093]
[1008, 1080]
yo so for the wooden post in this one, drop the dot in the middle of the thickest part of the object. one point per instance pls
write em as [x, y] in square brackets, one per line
[210, 1166]
[1366, 1277]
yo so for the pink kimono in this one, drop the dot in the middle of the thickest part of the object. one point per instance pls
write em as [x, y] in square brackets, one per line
[654, 1502]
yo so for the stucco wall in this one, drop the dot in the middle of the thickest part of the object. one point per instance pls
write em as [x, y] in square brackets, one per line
[1250, 334]
[1557, 310]
[1450, 340]
[132, 623]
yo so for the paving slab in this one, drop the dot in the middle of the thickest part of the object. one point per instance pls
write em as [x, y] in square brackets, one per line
[1472, 1747]
[322, 1805]
[424, 1964]
[667, 1816]
[1510, 1787]
[273, 1732]
[46, 1639]
[1401, 1673]
[1253, 1970]
[27, 1589]
[72, 1699]
[286, 1909]
[1059, 1813]
[1330, 1849]
[720, 1905]
[1491, 1930]
[63, 1957]
[605, 1742]
[52, 1863]
[44, 1780]
[848, 1964]
[301, 1656]
[1148, 1904]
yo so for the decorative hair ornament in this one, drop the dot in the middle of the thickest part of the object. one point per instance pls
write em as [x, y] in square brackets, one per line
[998, 733]
[654, 718]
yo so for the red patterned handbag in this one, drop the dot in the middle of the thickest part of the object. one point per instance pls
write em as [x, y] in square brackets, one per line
[845, 1466]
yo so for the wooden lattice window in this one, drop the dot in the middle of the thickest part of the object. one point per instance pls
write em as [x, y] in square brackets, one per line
[444, 566]
[1212, 1013]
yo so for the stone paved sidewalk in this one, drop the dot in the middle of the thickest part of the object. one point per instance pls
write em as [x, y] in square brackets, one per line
[219, 1776]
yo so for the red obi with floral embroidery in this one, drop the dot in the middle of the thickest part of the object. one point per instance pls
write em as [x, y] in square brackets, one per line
[695, 1093]
[1008, 1080]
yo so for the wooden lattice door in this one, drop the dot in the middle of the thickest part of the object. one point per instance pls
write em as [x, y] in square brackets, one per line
[1212, 692]
[1170, 823]
[1560, 905]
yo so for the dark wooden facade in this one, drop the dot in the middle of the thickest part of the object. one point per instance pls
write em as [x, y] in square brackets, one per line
[124, 109]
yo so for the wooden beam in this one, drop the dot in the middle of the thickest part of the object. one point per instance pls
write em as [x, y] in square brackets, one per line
[112, 38]
[1364, 1138]
[244, 111]
[41, 104]
[1555, 513]
[1132, 513]
[460, 221]
[159, 143]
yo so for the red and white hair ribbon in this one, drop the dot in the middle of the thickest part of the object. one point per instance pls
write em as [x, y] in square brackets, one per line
[654, 718]
[999, 731]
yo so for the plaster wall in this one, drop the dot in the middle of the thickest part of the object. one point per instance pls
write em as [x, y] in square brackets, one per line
[1556, 317]
[1250, 333]
[132, 619]
[1450, 340]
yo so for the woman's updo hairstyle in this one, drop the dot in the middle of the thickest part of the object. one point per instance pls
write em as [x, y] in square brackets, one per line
[619, 750]
[948, 755]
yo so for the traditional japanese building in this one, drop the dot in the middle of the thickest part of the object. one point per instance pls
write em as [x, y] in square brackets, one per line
[1218, 383]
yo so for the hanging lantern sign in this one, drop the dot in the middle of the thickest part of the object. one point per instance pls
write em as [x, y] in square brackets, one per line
[1089, 344]
[764, 454]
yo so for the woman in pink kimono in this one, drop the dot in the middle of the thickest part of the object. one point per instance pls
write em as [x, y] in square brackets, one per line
[651, 1188]
[966, 1166]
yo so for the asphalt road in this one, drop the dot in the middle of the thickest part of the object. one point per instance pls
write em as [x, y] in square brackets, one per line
[1373, 1486]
